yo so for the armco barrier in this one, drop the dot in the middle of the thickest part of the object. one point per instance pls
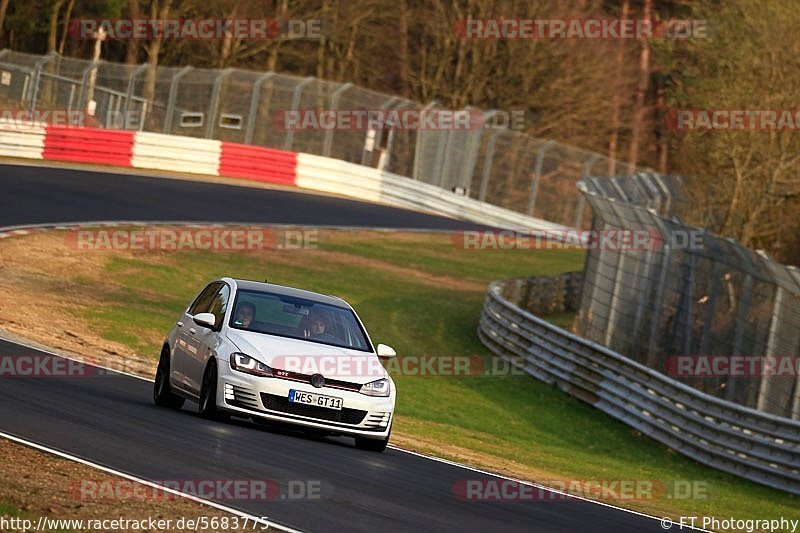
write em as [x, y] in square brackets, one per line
[742, 441]
[257, 163]
[88, 145]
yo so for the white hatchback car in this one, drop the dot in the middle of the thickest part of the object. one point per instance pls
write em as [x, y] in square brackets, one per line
[276, 353]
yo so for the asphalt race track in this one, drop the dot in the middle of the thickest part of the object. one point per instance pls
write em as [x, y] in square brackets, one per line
[110, 419]
[40, 195]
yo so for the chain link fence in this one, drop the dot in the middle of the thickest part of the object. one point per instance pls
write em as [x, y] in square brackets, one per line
[695, 295]
[494, 164]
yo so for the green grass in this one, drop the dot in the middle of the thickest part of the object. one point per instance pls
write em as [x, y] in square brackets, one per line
[498, 419]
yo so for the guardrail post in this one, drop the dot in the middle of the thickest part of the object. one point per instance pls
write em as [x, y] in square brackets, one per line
[487, 163]
[251, 114]
[296, 95]
[36, 79]
[129, 95]
[537, 175]
[213, 106]
[587, 169]
[328, 142]
[173, 94]
[418, 145]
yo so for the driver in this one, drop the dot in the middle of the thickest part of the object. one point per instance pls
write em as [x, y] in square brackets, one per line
[245, 314]
[316, 325]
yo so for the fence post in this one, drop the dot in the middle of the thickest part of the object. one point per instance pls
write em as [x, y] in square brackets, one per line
[82, 96]
[328, 142]
[473, 147]
[296, 95]
[537, 175]
[251, 114]
[36, 79]
[213, 106]
[418, 145]
[487, 163]
[378, 134]
[173, 94]
[129, 95]
[658, 304]
[772, 347]
[738, 335]
[587, 168]
[390, 139]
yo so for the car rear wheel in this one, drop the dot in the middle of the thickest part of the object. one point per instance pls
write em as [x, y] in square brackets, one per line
[162, 393]
[208, 394]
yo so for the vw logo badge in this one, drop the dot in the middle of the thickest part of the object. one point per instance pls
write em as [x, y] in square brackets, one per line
[318, 381]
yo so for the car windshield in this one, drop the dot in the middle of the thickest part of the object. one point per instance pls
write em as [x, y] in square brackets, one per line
[298, 318]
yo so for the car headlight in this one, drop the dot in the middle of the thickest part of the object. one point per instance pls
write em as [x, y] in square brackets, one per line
[380, 387]
[244, 363]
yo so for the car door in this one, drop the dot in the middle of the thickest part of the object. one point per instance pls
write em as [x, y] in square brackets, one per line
[186, 343]
[207, 340]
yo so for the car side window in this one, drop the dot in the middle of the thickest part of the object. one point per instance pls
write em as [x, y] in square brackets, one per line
[219, 305]
[202, 304]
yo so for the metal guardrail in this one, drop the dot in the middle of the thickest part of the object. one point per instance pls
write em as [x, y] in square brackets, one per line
[754, 445]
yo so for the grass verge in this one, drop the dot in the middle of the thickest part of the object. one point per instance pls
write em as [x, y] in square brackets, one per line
[422, 295]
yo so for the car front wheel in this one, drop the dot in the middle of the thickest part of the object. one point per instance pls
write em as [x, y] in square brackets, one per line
[372, 445]
[208, 394]
[162, 393]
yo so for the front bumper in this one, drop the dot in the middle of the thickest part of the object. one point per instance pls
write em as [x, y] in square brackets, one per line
[267, 398]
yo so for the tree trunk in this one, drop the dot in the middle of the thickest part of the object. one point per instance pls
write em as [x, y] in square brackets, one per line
[616, 101]
[132, 46]
[641, 93]
[3, 9]
[52, 30]
[65, 31]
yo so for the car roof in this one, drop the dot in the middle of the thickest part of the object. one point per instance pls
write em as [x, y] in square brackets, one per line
[290, 291]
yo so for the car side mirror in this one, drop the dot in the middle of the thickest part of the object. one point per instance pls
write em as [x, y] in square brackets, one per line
[385, 352]
[207, 320]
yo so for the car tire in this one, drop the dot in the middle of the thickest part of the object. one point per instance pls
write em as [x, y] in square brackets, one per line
[208, 394]
[373, 445]
[162, 392]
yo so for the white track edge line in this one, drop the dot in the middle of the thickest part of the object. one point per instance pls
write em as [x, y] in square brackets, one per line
[190, 497]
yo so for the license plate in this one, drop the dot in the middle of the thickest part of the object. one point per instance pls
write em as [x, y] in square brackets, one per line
[309, 398]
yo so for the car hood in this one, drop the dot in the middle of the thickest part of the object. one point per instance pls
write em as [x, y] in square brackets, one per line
[305, 357]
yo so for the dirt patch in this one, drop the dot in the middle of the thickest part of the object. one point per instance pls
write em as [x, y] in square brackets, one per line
[39, 484]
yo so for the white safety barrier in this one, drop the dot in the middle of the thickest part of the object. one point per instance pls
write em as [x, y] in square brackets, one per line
[365, 183]
[21, 140]
[177, 154]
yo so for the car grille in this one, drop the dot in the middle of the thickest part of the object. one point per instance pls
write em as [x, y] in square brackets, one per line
[274, 402]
